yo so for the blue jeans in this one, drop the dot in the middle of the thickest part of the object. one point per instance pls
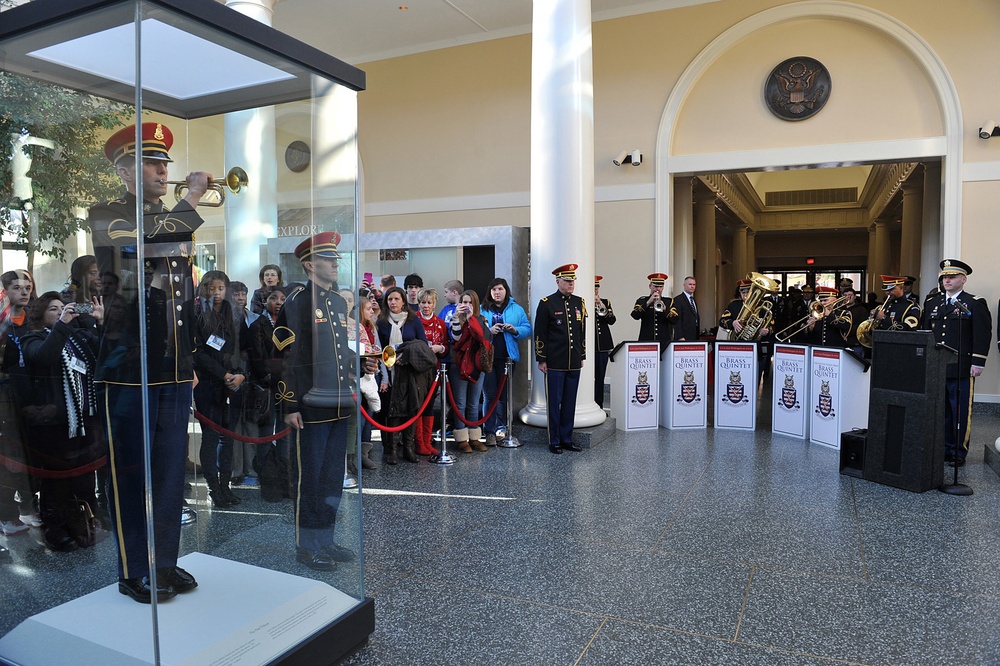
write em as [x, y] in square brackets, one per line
[318, 452]
[467, 396]
[169, 413]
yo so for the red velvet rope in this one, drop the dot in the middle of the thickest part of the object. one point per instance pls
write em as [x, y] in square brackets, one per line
[205, 421]
[16, 466]
[400, 428]
[489, 412]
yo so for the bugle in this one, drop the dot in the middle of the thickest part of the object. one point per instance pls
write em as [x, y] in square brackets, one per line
[601, 309]
[387, 356]
[236, 179]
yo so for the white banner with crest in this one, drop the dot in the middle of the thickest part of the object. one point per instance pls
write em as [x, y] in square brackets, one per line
[838, 393]
[736, 385]
[637, 371]
[685, 381]
[790, 406]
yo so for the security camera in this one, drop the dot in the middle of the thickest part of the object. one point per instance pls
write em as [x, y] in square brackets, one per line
[622, 158]
[636, 157]
[988, 129]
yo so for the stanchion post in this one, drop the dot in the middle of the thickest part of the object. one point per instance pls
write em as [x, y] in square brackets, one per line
[443, 457]
[510, 441]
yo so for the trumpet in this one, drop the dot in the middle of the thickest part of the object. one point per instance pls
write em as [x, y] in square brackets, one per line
[236, 179]
[658, 305]
[600, 308]
[387, 356]
[817, 310]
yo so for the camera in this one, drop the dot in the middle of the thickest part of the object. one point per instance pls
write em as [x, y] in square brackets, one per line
[987, 130]
[84, 308]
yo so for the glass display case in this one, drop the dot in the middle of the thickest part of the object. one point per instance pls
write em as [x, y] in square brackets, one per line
[173, 426]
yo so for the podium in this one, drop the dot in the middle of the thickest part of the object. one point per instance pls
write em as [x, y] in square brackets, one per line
[636, 370]
[790, 391]
[684, 382]
[736, 385]
[904, 448]
[838, 394]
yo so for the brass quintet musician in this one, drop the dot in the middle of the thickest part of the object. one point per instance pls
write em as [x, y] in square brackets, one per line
[827, 326]
[655, 312]
[898, 313]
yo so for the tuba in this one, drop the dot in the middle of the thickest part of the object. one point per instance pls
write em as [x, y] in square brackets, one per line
[756, 313]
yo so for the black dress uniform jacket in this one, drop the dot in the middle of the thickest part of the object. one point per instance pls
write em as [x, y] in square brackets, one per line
[901, 314]
[168, 239]
[653, 325]
[970, 333]
[605, 341]
[314, 318]
[560, 332]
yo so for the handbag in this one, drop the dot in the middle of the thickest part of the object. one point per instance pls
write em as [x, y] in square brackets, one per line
[484, 361]
[83, 525]
[255, 403]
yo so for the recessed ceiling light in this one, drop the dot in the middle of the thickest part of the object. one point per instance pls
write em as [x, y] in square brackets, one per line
[403, 8]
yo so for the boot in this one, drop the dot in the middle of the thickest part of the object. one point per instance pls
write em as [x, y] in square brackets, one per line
[424, 427]
[215, 492]
[366, 462]
[352, 465]
[462, 440]
[491, 439]
[474, 435]
[409, 448]
[224, 480]
[389, 455]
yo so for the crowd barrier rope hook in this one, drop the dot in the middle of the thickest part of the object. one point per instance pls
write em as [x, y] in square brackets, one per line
[510, 441]
[444, 457]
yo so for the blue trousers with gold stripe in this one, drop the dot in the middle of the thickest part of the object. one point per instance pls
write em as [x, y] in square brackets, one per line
[958, 416]
[318, 469]
[169, 413]
[560, 390]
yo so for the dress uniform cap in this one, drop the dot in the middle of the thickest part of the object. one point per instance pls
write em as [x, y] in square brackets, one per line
[891, 281]
[156, 141]
[808, 289]
[320, 245]
[955, 267]
[909, 279]
[826, 292]
[597, 280]
[566, 271]
[744, 285]
[659, 279]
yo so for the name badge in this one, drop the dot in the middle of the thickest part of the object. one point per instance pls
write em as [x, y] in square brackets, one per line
[76, 365]
[216, 343]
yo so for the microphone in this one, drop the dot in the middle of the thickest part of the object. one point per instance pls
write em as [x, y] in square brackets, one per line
[962, 307]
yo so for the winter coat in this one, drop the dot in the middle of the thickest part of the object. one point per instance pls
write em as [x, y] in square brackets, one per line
[413, 375]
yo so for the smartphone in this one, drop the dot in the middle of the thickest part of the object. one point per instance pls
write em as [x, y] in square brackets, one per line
[368, 278]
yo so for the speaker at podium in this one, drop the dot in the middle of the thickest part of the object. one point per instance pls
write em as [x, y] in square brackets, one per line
[904, 447]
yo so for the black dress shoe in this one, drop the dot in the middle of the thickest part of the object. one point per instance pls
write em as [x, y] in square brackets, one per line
[315, 559]
[949, 458]
[555, 448]
[960, 462]
[572, 447]
[4, 555]
[338, 553]
[176, 578]
[138, 589]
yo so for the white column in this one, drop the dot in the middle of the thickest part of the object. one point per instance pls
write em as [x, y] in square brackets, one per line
[251, 217]
[874, 281]
[909, 239]
[882, 249]
[930, 244]
[705, 257]
[562, 175]
[740, 265]
[683, 231]
[751, 250]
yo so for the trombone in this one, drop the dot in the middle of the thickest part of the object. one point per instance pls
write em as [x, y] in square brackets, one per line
[236, 179]
[817, 310]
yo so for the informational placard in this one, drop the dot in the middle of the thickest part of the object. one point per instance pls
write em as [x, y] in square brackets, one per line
[736, 385]
[685, 381]
[637, 370]
[838, 395]
[790, 404]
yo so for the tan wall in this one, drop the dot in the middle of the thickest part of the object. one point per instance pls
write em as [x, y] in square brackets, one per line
[455, 122]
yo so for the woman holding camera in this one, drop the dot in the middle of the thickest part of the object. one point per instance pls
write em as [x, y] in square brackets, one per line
[508, 324]
[469, 332]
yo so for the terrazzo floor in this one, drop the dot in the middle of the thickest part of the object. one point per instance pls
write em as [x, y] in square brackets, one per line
[706, 547]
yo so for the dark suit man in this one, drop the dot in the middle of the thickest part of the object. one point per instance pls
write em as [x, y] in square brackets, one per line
[962, 322]
[688, 324]
[560, 349]
[168, 352]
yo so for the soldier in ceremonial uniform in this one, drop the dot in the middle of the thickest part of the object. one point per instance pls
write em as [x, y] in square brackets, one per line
[832, 329]
[899, 313]
[311, 334]
[960, 321]
[655, 312]
[604, 319]
[908, 289]
[729, 321]
[855, 313]
[167, 239]
[560, 349]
